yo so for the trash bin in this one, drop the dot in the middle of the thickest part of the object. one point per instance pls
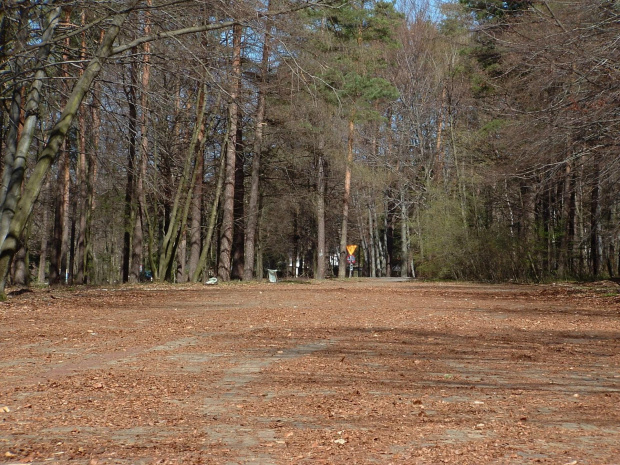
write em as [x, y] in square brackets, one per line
[273, 276]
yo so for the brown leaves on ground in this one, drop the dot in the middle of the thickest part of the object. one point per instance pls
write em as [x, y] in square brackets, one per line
[365, 371]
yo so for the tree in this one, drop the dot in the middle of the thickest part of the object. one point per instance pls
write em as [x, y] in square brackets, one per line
[226, 234]
[353, 31]
[39, 39]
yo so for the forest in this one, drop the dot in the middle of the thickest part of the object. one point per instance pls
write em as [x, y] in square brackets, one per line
[178, 140]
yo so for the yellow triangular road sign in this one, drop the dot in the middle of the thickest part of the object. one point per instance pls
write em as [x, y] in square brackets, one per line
[351, 249]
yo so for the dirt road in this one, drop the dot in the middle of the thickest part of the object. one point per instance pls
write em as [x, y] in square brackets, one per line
[361, 371]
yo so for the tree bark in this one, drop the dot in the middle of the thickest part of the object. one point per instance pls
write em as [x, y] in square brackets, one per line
[44, 236]
[595, 258]
[372, 245]
[345, 204]
[226, 233]
[404, 246]
[295, 240]
[91, 177]
[8, 143]
[252, 223]
[140, 201]
[18, 143]
[57, 136]
[196, 265]
[381, 254]
[56, 256]
[64, 190]
[196, 223]
[388, 236]
[320, 214]
[129, 274]
[66, 204]
[82, 205]
[236, 271]
[439, 161]
[213, 217]
[82, 181]
[21, 274]
[181, 276]
[178, 216]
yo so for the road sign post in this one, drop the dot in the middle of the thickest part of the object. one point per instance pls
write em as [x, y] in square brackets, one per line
[351, 258]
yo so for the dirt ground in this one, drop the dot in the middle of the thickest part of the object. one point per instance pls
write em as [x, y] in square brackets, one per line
[360, 371]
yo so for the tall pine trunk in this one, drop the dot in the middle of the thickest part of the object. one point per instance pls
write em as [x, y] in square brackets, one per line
[252, 223]
[82, 204]
[213, 217]
[372, 244]
[236, 271]
[196, 223]
[127, 273]
[140, 216]
[82, 182]
[61, 207]
[595, 257]
[345, 203]
[226, 232]
[196, 264]
[44, 236]
[404, 246]
[320, 215]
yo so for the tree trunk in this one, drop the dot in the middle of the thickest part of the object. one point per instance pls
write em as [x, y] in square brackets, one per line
[564, 248]
[60, 203]
[594, 222]
[82, 204]
[82, 183]
[71, 257]
[372, 245]
[140, 201]
[213, 217]
[196, 223]
[345, 204]
[178, 216]
[181, 276]
[129, 272]
[295, 241]
[57, 135]
[44, 235]
[404, 246]
[196, 265]
[381, 256]
[259, 121]
[236, 271]
[226, 232]
[21, 274]
[11, 137]
[439, 159]
[260, 266]
[388, 222]
[91, 177]
[65, 187]
[66, 205]
[320, 214]
[19, 141]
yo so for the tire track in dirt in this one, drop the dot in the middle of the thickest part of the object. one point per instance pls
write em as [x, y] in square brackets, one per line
[103, 359]
[244, 440]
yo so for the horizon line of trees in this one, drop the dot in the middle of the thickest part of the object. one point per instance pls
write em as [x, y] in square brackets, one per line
[184, 140]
